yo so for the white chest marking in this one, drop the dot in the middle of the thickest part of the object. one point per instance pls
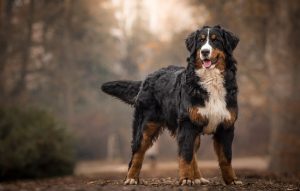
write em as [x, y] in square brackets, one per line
[215, 108]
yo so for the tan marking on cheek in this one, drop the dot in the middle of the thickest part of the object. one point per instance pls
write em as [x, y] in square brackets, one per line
[221, 61]
[225, 165]
[198, 63]
[195, 116]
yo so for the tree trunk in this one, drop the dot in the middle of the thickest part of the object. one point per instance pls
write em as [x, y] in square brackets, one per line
[282, 51]
[66, 65]
[5, 26]
[20, 86]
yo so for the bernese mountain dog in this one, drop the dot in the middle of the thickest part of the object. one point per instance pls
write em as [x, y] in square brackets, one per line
[188, 101]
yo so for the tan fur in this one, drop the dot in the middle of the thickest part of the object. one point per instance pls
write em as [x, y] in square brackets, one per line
[195, 116]
[233, 118]
[216, 53]
[225, 165]
[136, 165]
[198, 63]
[213, 37]
[137, 159]
[197, 173]
[185, 169]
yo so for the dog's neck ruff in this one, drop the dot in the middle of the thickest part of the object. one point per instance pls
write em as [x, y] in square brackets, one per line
[215, 107]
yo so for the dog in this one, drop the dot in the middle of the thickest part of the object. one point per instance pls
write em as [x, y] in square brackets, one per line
[188, 101]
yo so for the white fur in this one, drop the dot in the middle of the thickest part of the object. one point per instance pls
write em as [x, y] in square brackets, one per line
[206, 46]
[215, 108]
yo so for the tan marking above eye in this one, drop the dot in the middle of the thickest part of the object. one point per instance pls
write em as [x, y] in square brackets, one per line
[213, 37]
[202, 37]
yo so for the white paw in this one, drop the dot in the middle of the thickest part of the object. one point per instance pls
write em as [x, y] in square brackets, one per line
[201, 181]
[130, 181]
[237, 182]
[187, 182]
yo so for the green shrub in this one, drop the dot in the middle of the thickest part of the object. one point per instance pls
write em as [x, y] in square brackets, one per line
[33, 145]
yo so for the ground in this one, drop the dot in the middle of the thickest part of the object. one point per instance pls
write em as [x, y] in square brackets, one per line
[92, 176]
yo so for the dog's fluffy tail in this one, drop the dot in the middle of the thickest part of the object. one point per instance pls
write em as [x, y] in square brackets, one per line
[124, 90]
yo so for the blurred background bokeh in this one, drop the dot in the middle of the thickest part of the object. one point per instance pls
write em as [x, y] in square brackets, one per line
[55, 54]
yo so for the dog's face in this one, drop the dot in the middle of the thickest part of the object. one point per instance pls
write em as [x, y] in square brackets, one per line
[210, 46]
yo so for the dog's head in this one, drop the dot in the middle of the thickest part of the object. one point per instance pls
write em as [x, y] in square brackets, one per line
[210, 46]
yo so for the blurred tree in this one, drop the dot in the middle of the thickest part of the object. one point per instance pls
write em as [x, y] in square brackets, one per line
[54, 55]
[5, 31]
[133, 34]
[33, 145]
[81, 50]
[20, 85]
[282, 51]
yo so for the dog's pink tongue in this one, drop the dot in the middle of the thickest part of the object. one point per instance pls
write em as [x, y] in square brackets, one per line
[206, 63]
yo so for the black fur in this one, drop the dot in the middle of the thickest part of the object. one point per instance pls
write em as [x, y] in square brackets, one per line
[224, 136]
[186, 136]
[165, 96]
[124, 90]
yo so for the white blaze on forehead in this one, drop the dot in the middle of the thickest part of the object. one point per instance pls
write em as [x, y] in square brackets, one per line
[206, 46]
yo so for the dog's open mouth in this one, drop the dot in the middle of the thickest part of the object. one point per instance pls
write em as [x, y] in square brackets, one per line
[207, 63]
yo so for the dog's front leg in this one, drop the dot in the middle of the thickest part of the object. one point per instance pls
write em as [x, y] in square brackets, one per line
[223, 147]
[186, 136]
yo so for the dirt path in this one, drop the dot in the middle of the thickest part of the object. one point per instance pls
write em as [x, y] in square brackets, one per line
[92, 177]
[93, 167]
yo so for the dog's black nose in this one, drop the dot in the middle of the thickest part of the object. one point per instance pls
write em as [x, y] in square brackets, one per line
[205, 52]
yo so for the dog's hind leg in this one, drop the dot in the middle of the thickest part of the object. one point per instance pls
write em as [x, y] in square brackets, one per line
[198, 179]
[143, 137]
[223, 147]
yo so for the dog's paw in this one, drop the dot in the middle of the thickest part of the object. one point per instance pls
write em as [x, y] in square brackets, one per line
[131, 181]
[186, 182]
[236, 182]
[201, 181]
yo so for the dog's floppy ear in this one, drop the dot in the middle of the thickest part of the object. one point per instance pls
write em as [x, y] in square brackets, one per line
[231, 40]
[191, 42]
[218, 26]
